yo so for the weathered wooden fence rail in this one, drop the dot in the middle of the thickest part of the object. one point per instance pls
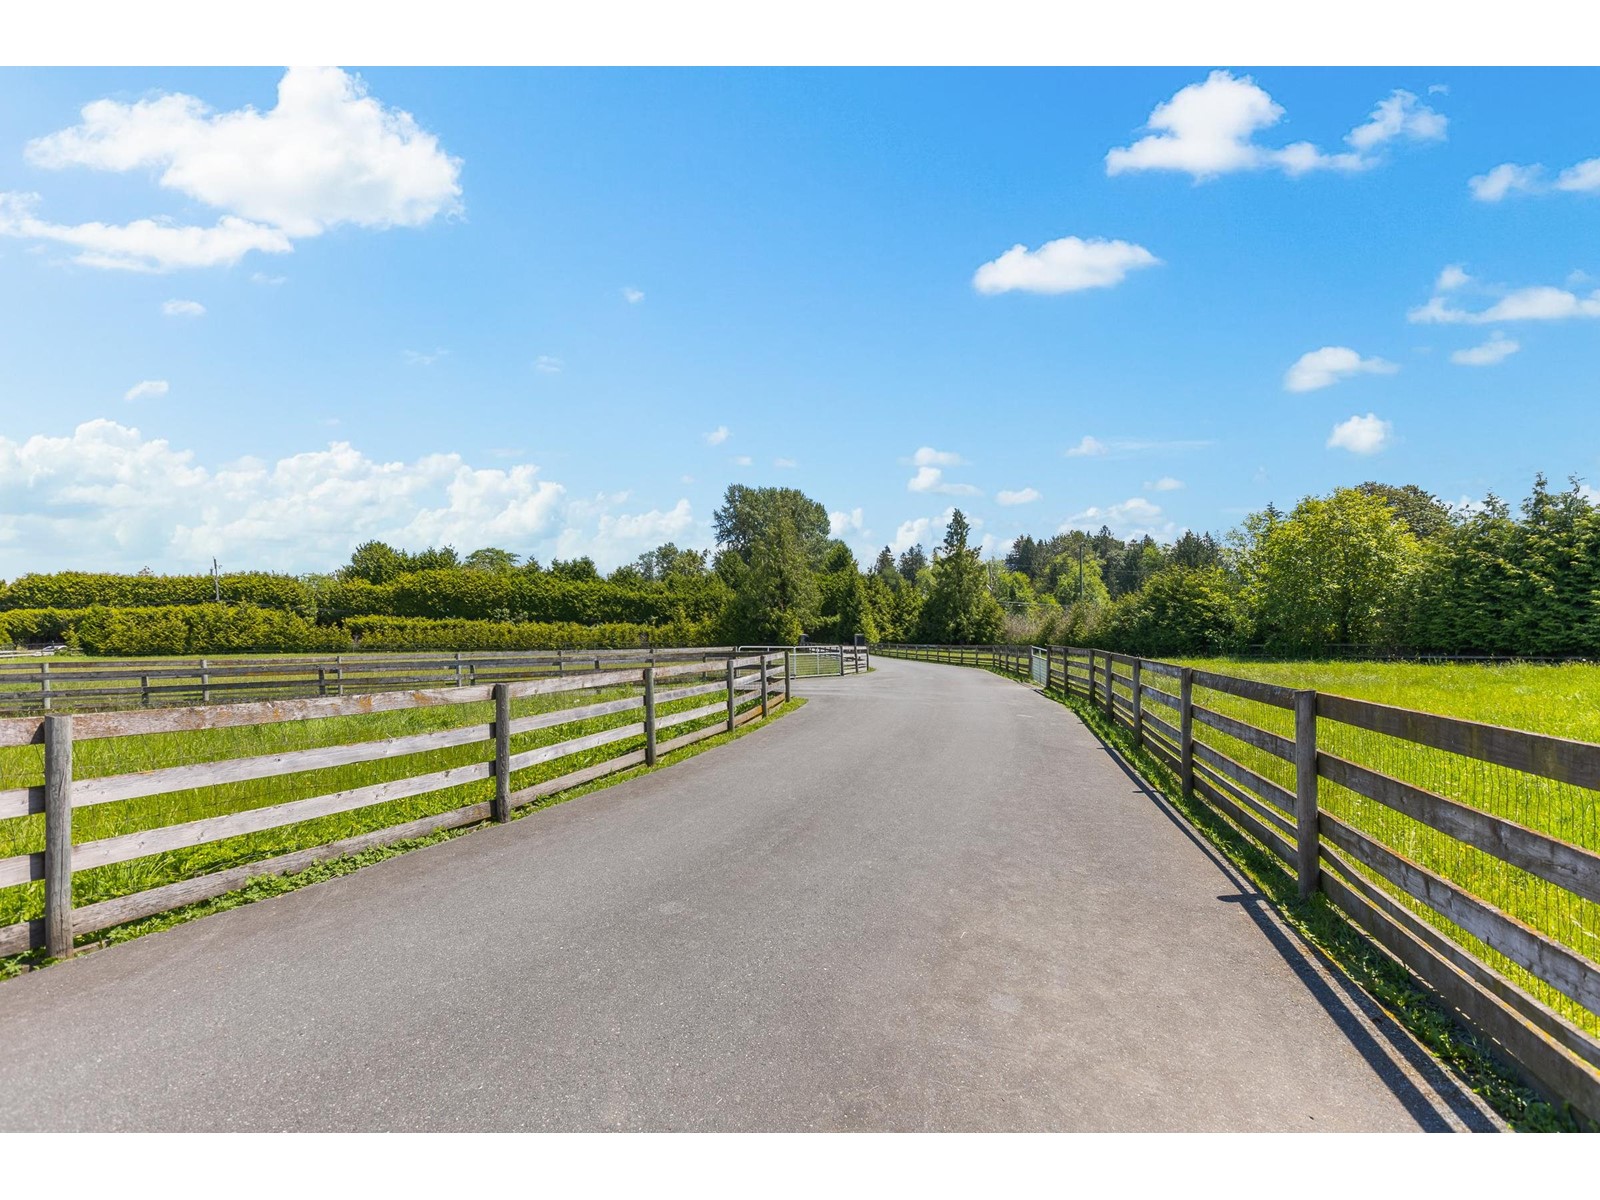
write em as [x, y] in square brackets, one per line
[735, 689]
[78, 685]
[1528, 980]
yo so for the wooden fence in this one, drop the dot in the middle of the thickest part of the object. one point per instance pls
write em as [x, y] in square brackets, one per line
[83, 684]
[735, 690]
[1356, 834]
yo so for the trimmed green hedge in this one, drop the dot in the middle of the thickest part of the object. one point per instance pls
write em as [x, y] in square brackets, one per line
[31, 626]
[200, 629]
[518, 596]
[420, 633]
[83, 589]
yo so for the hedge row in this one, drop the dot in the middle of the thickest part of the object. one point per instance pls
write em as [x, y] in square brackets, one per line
[453, 594]
[82, 589]
[490, 596]
[420, 633]
[195, 629]
[200, 629]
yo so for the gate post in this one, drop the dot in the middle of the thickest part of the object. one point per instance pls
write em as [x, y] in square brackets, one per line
[500, 806]
[1138, 706]
[649, 716]
[1186, 731]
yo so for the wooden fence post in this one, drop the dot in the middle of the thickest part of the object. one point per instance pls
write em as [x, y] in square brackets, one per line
[1111, 705]
[649, 716]
[1186, 731]
[788, 673]
[44, 684]
[458, 668]
[764, 680]
[500, 807]
[58, 836]
[144, 690]
[1138, 707]
[1049, 668]
[1305, 788]
[841, 667]
[205, 682]
[1091, 676]
[338, 671]
[730, 693]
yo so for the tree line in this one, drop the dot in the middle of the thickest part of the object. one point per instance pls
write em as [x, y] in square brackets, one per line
[1369, 568]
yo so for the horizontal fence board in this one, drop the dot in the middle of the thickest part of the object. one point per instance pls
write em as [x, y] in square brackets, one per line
[1261, 739]
[572, 779]
[1152, 721]
[1562, 1073]
[1248, 689]
[1125, 680]
[1160, 668]
[213, 829]
[1156, 694]
[1246, 820]
[22, 731]
[1569, 973]
[1561, 863]
[688, 739]
[1561, 759]
[1164, 754]
[1241, 774]
[19, 802]
[664, 695]
[107, 789]
[693, 714]
[117, 911]
[21, 937]
[21, 868]
[1530, 1007]
[592, 741]
[1240, 796]
[565, 716]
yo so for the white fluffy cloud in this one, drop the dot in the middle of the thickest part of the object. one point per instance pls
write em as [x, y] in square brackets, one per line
[785, 464]
[1209, 129]
[144, 245]
[910, 533]
[1325, 367]
[632, 295]
[1165, 484]
[1499, 182]
[548, 363]
[326, 155]
[841, 523]
[1539, 303]
[107, 497]
[931, 479]
[1067, 264]
[1089, 447]
[1496, 350]
[927, 456]
[1451, 277]
[423, 358]
[1025, 496]
[148, 389]
[742, 460]
[183, 308]
[1361, 435]
[1133, 517]
[717, 436]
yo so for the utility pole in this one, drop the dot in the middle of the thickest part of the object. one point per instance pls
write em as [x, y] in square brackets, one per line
[216, 580]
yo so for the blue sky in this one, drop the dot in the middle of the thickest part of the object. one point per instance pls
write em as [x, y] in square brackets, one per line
[560, 310]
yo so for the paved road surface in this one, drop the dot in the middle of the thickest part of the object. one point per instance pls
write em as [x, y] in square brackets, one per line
[929, 900]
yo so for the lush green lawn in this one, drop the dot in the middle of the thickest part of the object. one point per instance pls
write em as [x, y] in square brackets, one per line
[23, 766]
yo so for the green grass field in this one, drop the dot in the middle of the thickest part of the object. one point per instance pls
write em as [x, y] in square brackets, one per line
[23, 766]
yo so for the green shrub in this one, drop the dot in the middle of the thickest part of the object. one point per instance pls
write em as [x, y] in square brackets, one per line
[27, 626]
[201, 629]
[422, 633]
[83, 589]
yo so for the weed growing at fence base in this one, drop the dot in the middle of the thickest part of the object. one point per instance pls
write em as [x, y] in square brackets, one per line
[264, 886]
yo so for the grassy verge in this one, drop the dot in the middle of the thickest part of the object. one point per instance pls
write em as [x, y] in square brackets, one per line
[1383, 978]
[267, 886]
